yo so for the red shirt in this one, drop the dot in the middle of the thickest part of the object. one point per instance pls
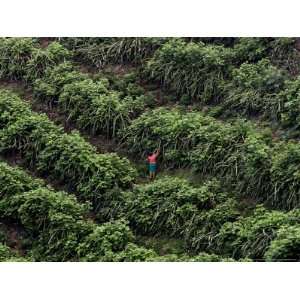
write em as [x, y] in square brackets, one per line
[152, 158]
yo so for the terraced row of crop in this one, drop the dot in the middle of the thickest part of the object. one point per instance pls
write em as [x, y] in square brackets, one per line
[67, 158]
[210, 148]
[90, 104]
[212, 74]
[56, 222]
[237, 153]
[101, 51]
[21, 58]
[209, 220]
[81, 99]
[248, 79]
[268, 235]
[14, 110]
[57, 73]
[58, 229]
[254, 143]
[172, 207]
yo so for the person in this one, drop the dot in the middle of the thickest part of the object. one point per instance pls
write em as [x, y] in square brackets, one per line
[152, 163]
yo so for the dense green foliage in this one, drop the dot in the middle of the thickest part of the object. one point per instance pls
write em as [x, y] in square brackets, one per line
[236, 152]
[191, 69]
[103, 51]
[174, 201]
[57, 225]
[251, 236]
[44, 58]
[21, 58]
[281, 51]
[236, 164]
[14, 56]
[286, 245]
[88, 103]
[49, 87]
[66, 157]
[58, 229]
[246, 79]
[289, 105]
[52, 220]
[285, 174]
[253, 89]
[177, 133]
[172, 207]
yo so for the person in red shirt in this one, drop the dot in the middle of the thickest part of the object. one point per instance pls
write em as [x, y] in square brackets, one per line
[152, 164]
